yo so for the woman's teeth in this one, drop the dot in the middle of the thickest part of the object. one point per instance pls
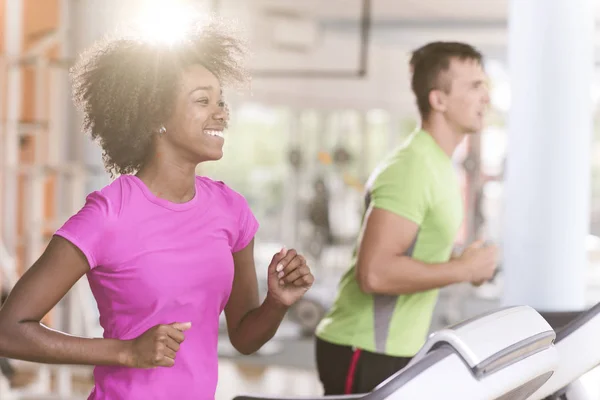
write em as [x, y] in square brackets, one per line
[214, 133]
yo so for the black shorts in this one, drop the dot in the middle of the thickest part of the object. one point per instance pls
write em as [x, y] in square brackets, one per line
[343, 370]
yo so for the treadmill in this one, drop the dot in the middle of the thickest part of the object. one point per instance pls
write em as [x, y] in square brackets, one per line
[501, 355]
[578, 352]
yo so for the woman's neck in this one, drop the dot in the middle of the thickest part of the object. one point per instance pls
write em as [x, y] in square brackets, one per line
[170, 180]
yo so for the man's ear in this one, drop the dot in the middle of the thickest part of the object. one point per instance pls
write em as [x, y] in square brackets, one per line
[437, 100]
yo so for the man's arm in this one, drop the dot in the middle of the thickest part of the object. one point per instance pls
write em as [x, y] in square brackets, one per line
[385, 265]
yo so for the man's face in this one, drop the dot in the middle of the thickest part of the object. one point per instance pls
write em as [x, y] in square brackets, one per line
[468, 97]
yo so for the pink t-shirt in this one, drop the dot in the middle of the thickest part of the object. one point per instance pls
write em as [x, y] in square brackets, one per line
[156, 262]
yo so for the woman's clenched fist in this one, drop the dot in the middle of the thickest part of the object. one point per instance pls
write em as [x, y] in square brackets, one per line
[157, 347]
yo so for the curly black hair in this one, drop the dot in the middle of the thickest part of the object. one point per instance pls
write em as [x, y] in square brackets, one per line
[126, 85]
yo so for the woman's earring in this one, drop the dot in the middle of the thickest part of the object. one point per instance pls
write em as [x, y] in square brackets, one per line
[162, 130]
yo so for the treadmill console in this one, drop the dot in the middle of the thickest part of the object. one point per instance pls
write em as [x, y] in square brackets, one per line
[471, 338]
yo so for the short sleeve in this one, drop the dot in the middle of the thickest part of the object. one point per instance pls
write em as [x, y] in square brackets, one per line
[247, 225]
[87, 228]
[403, 187]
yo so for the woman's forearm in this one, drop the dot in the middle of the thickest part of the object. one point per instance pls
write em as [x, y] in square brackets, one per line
[32, 341]
[258, 326]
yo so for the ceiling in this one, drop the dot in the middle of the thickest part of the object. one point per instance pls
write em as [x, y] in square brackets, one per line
[308, 53]
[396, 28]
[475, 11]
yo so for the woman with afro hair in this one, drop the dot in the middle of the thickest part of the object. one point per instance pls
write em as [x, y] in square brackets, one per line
[165, 251]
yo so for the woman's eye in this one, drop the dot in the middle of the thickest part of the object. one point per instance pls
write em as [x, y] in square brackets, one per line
[203, 101]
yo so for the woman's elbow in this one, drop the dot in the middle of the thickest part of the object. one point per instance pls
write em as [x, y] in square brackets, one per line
[242, 345]
[243, 348]
[245, 352]
[7, 335]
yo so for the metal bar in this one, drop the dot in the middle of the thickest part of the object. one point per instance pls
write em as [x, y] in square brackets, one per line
[42, 44]
[58, 63]
[429, 24]
[308, 74]
[365, 36]
[66, 169]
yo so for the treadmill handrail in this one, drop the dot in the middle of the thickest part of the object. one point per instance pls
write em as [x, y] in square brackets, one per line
[514, 353]
[481, 358]
[330, 397]
[573, 365]
[451, 338]
[500, 359]
[402, 377]
[577, 323]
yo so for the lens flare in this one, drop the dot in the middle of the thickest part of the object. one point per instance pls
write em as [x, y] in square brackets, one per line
[167, 22]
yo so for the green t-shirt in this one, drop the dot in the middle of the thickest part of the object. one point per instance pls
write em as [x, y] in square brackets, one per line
[417, 182]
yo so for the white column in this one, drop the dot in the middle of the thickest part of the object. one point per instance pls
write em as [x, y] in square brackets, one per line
[548, 165]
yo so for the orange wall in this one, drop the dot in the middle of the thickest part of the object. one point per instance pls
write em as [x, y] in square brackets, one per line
[39, 18]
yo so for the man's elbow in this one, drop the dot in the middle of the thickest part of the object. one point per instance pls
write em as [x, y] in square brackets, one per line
[369, 281]
[372, 281]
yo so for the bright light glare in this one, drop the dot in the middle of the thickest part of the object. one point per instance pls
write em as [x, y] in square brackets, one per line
[166, 21]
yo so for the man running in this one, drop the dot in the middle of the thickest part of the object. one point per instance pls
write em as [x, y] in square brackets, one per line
[382, 313]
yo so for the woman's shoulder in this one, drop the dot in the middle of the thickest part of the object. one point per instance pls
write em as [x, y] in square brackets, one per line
[220, 189]
[108, 197]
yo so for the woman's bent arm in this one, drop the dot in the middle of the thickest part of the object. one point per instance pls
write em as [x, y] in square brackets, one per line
[24, 337]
